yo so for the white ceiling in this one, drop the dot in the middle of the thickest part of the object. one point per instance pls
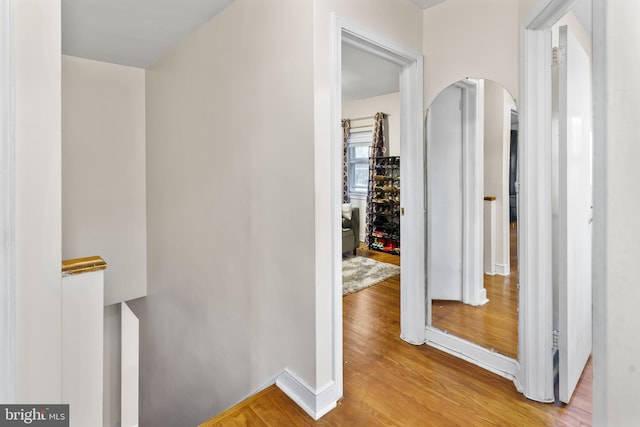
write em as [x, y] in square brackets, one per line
[131, 32]
[425, 4]
[365, 75]
[139, 32]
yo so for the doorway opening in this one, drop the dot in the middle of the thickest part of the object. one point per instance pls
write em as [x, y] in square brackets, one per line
[370, 103]
[411, 206]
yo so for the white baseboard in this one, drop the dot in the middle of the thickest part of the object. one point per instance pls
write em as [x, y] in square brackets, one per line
[483, 297]
[487, 359]
[502, 269]
[316, 403]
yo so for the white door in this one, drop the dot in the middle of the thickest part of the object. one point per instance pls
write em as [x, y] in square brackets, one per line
[574, 227]
[444, 183]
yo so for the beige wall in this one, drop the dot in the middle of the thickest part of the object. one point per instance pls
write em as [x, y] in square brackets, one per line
[37, 214]
[471, 39]
[103, 176]
[229, 213]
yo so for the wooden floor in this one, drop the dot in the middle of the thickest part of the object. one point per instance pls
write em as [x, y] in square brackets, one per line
[388, 382]
[493, 325]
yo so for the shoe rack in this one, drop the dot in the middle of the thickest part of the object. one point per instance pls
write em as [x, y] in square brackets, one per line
[384, 205]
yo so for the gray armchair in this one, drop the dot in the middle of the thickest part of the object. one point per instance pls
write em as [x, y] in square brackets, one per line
[351, 232]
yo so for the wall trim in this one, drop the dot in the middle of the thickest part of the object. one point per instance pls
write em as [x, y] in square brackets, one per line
[494, 362]
[7, 208]
[535, 339]
[316, 403]
[502, 269]
[600, 214]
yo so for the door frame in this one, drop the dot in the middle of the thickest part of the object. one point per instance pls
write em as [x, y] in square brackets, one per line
[7, 207]
[412, 230]
[535, 323]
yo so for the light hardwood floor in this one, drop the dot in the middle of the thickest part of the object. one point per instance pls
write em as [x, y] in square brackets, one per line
[493, 325]
[388, 382]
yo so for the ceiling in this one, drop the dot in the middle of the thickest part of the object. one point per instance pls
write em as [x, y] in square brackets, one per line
[131, 32]
[139, 32]
[365, 75]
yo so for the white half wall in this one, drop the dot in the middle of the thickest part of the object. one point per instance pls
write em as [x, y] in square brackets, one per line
[111, 414]
[103, 175]
[37, 201]
[82, 347]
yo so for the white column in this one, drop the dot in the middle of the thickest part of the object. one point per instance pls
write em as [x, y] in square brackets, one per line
[490, 236]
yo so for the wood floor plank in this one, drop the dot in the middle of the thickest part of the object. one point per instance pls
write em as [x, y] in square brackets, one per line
[388, 382]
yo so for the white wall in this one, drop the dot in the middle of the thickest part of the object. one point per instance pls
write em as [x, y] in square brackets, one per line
[399, 21]
[616, 369]
[37, 210]
[103, 175]
[389, 104]
[229, 213]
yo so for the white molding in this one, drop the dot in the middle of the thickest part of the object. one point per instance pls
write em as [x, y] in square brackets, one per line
[546, 15]
[129, 366]
[7, 206]
[490, 360]
[600, 213]
[534, 243]
[316, 403]
[502, 269]
[336, 156]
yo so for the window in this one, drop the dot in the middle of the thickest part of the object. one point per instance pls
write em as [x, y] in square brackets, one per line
[358, 148]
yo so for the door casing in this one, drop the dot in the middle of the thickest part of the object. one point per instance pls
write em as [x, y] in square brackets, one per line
[412, 289]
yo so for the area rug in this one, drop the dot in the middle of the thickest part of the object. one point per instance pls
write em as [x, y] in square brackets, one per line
[360, 272]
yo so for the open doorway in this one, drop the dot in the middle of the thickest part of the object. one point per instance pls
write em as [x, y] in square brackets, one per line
[412, 291]
[370, 100]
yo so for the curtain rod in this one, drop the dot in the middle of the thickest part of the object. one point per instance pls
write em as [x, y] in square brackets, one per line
[368, 117]
[363, 126]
